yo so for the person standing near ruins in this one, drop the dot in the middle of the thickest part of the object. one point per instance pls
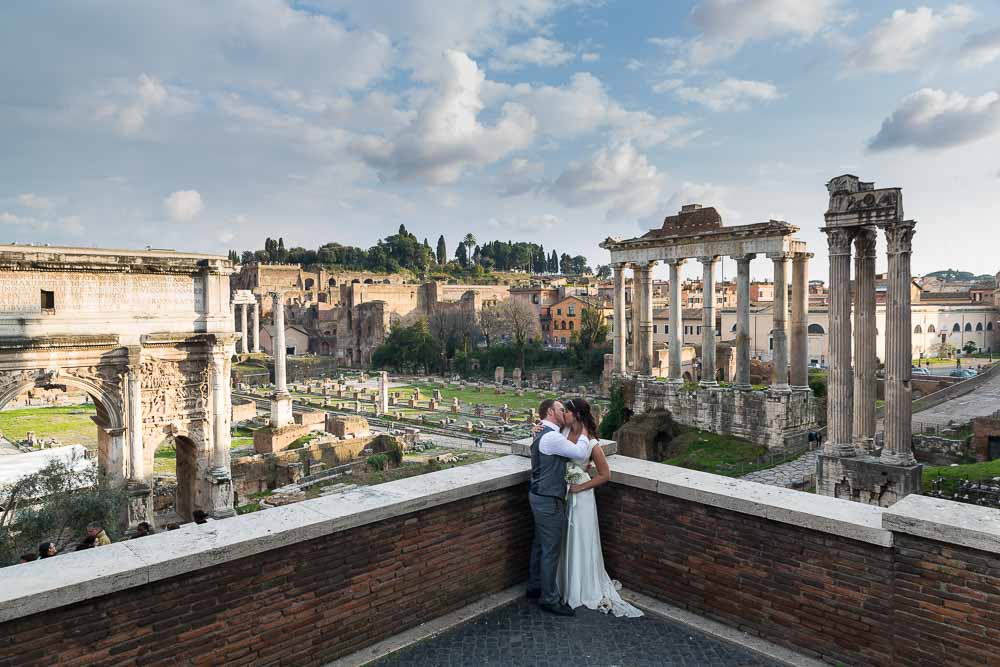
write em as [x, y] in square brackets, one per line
[96, 531]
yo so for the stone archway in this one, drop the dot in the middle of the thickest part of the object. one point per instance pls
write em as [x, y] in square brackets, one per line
[187, 471]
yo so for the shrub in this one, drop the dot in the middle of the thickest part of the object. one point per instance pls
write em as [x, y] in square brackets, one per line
[377, 462]
[615, 416]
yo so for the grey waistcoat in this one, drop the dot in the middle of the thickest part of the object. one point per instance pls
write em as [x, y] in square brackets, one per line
[548, 471]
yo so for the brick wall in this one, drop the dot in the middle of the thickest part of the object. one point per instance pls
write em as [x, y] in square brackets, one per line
[920, 602]
[305, 604]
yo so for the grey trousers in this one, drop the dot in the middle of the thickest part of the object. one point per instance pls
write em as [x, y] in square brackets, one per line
[550, 521]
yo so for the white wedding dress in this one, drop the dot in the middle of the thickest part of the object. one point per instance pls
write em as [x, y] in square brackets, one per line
[582, 579]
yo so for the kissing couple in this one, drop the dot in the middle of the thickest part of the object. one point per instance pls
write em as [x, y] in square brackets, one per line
[567, 566]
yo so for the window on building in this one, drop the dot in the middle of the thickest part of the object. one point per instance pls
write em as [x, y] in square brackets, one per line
[816, 329]
[699, 331]
[563, 325]
[931, 329]
[770, 343]
[654, 328]
[979, 326]
[968, 326]
[571, 310]
[309, 283]
[733, 328]
[956, 327]
[989, 326]
[571, 325]
[534, 298]
[917, 329]
[666, 328]
[48, 300]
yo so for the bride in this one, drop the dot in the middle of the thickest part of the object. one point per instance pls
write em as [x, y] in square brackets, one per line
[582, 579]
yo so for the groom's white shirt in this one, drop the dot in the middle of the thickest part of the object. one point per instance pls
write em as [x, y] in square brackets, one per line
[555, 443]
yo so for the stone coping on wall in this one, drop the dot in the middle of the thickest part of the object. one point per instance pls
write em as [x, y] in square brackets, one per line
[946, 521]
[42, 585]
[807, 510]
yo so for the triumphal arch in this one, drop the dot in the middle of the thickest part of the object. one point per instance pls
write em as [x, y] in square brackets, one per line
[780, 417]
[149, 336]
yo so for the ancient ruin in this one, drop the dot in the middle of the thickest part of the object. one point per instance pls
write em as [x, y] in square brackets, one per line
[780, 417]
[148, 335]
[848, 467]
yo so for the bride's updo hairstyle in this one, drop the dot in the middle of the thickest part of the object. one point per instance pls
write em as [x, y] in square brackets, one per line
[581, 411]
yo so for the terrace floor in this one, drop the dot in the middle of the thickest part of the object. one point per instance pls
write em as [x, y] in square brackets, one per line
[522, 634]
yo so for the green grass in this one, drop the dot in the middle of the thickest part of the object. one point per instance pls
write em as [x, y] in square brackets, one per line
[165, 460]
[487, 396]
[68, 424]
[709, 452]
[953, 474]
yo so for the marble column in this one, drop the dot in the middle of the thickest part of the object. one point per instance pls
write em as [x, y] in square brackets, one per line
[245, 340]
[799, 347]
[644, 278]
[840, 384]
[136, 451]
[779, 330]
[255, 324]
[676, 340]
[636, 318]
[619, 302]
[221, 409]
[708, 321]
[742, 379]
[278, 343]
[898, 449]
[865, 362]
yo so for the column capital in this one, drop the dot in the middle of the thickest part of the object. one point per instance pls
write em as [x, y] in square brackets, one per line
[709, 259]
[802, 256]
[865, 240]
[276, 294]
[778, 256]
[743, 258]
[839, 239]
[618, 266]
[899, 237]
[675, 262]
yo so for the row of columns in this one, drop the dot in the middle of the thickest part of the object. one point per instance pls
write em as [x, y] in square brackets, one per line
[851, 388]
[244, 346]
[783, 379]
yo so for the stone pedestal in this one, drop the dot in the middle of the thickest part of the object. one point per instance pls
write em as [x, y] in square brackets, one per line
[221, 491]
[140, 503]
[281, 410]
[865, 479]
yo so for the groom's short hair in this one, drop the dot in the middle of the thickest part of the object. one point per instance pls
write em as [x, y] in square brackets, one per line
[544, 408]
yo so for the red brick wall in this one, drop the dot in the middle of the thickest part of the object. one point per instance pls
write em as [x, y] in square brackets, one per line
[918, 603]
[301, 605]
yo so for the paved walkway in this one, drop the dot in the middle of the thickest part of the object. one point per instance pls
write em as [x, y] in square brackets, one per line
[793, 473]
[522, 634]
[984, 400]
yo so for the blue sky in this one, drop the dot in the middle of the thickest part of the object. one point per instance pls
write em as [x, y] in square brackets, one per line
[211, 125]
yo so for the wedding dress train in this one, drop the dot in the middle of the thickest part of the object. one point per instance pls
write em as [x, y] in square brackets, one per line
[582, 578]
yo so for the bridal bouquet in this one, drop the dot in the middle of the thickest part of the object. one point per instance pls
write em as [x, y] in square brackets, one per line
[576, 474]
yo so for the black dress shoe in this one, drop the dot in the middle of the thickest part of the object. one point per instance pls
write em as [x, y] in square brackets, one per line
[533, 593]
[558, 608]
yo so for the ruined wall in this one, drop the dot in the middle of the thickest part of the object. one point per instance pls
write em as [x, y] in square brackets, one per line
[777, 420]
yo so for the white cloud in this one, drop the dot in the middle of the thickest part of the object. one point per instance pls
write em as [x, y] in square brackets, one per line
[667, 85]
[31, 200]
[590, 57]
[129, 115]
[537, 51]
[183, 205]
[446, 137]
[729, 95]
[981, 49]
[728, 25]
[617, 178]
[584, 106]
[633, 65]
[936, 119]
[8, 218]
[526, 225]
[521, 177]
[903, 41]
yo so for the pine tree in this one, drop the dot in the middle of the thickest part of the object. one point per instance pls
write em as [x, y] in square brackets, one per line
[442, 251]
[461, 255]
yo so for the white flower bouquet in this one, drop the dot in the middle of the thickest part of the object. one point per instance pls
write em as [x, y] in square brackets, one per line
[576, 474]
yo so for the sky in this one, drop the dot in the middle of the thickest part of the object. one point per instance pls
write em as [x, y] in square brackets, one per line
[205, 126]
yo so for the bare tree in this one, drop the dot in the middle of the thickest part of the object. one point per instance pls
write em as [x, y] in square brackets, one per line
[454, 328]
[520, 323]
[491, 321]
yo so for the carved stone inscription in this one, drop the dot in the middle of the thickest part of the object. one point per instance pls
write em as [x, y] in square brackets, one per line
[97, 292]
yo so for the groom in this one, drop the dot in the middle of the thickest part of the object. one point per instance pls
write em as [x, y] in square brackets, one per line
[550, 451]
